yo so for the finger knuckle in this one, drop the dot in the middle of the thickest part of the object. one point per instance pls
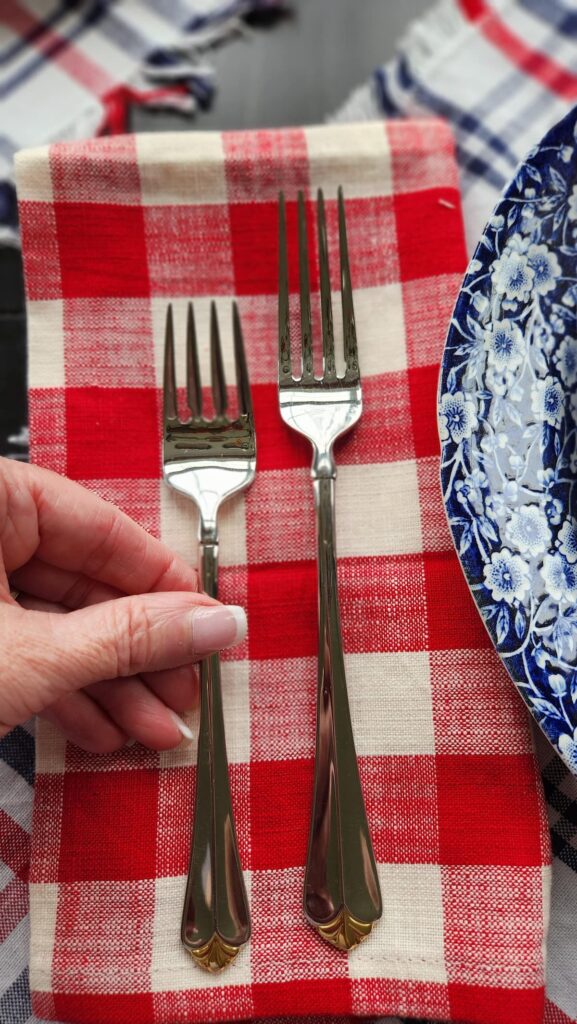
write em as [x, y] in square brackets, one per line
[132, 628]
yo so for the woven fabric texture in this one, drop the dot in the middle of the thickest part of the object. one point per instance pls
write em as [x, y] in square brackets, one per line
[112, 230]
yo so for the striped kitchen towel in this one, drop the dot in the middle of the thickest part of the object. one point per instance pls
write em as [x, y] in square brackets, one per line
[70, 69]
[500, 72]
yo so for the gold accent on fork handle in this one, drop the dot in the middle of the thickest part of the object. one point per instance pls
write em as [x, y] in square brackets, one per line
[342, 897]
[344, 931]
[215, 919]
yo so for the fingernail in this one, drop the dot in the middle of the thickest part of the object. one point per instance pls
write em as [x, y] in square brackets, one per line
[181, 726]
[217, 626]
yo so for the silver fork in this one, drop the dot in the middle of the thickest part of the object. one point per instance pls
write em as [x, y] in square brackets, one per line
[208, 461]
[341, 896]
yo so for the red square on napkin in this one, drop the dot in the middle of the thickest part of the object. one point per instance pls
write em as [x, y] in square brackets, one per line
[92, 264]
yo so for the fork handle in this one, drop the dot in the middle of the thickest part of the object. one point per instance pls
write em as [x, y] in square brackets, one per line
[216, 919]
[342, 896]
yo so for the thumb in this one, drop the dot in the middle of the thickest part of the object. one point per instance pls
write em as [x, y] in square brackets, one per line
[51, 654]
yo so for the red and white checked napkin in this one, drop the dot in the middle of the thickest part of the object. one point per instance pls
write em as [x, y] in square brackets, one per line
[111, 231]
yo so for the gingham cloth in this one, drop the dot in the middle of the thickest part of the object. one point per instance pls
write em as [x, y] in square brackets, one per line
[111, 232]
[70, 69]
[500, 73]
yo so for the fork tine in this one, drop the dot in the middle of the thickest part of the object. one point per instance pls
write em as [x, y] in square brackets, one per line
[329, 371]
[349, 330]
[305, 293]
[219, 396]
[193, 388]
[242, 382]
[170, 404]
[284, 341]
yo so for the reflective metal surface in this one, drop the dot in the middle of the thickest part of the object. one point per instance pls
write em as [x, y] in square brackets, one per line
[342, 897]
[209, 460]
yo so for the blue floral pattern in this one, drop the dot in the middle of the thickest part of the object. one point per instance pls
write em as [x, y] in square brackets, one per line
[508, 428]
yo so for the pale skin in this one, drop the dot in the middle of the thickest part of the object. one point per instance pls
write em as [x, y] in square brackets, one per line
[108, 624]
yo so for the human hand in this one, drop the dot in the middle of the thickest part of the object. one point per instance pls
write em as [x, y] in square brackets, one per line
[120, 662]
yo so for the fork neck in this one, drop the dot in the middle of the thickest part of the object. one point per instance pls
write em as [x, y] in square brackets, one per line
[209, 558]
[324, 466]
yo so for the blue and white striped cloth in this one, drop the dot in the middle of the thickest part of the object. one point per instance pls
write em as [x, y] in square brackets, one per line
[501, 72]
[16, 782]
[70, 68]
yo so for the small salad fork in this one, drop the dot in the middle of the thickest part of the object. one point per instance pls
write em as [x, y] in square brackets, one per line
[208, 460]
[342, 897]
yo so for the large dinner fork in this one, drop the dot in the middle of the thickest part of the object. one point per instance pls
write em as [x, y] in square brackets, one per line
[341, 896]
[209, 460]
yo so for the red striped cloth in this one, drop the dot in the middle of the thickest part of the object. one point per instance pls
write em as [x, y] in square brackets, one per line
[111, 231]
[530, 60]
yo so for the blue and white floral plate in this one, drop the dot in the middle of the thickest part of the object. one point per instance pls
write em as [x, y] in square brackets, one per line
[508, 425]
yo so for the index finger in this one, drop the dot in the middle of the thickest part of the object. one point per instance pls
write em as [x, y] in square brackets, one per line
[70, 527]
